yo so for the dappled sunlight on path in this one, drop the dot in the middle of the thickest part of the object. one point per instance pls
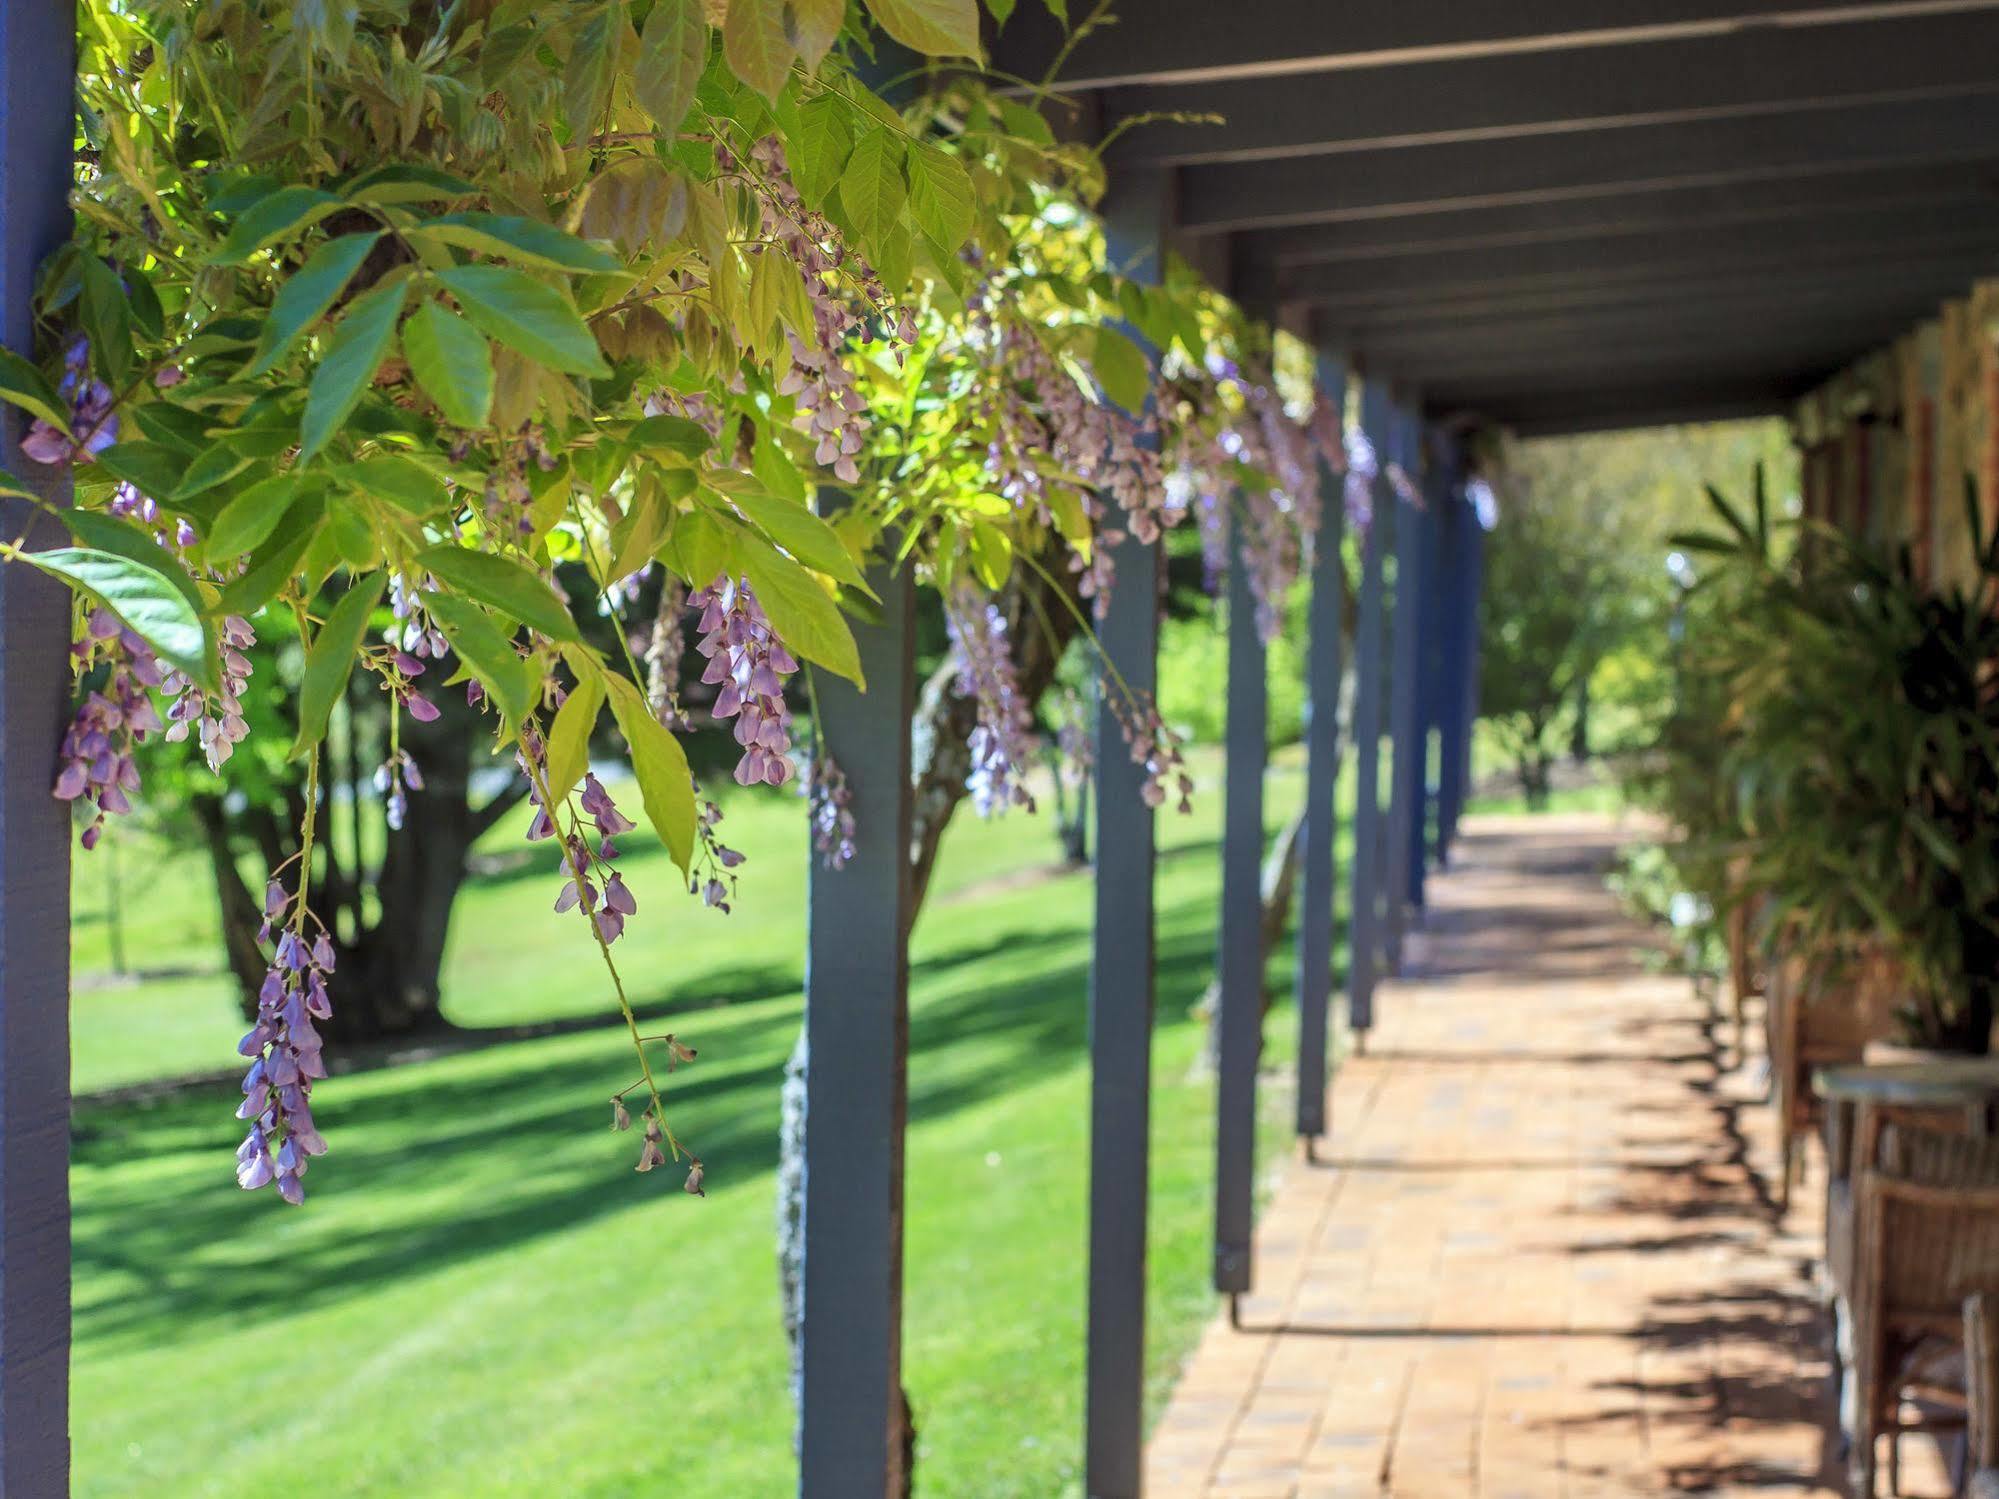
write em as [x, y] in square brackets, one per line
[1538, 1254]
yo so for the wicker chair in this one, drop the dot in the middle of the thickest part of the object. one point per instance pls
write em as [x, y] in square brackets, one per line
[1928, 1239]
[1981, 1380]
[1819, 1017]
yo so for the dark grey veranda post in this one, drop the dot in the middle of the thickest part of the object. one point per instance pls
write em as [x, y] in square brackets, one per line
[1318, 875]
[851, 1428]
[1453, 600]
[1431, 679]
[1474, 534]
[1404, 672]
[1364, 876]
[1121, 962]
[1239, 964]
[37, 115]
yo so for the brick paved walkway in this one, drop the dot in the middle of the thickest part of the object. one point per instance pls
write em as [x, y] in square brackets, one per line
[1537, 1256]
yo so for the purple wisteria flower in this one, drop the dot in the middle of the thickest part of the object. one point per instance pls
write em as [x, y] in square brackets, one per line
[1047, 431]
[747, 663]
[830, 804]
[93, 424]
[1363, 468]
[831, 409]
[395, 778]
[1153, 746]
[1002, 742]
[284, 1049]
[97, 763]
[713, 875]
[216, 719]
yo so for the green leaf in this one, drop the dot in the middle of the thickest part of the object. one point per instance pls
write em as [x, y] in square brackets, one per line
[105, 533]
[509, 587]
[356, 349]
[273, 564]
[271, 218]
[138, 590]
[754, 42]
[533, 320]
[665, 783]
[799, 532]
[940, 195]
[214, 465]
[407, 182]
[394, 479]
[569, 737]
[150, 467]
[872, 188]
[515, 684]
[525, 240]
[803, 613]
[251, 516]
[586, 79]
[674, 434]
[330, 660]
[107, 317]
[818, 147]
[307, 295]
[452, 362]
[1121, 369]
[813, 26]
[673, 51]
[941, 28]
[21, 384]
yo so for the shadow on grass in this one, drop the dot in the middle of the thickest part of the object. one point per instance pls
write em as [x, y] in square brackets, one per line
[442, 1163]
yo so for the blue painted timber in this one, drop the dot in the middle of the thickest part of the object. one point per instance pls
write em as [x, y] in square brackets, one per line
[1364, 902]
[1318, 876]
[37, 118]
[1239, 965]
[1405, 668]
[1453, 641]
[851, 1427]
[1121, 965]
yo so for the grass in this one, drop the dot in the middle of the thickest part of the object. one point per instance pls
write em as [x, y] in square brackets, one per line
[481, 1298]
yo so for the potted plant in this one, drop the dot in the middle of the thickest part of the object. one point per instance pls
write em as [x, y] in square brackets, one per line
[1862, 768]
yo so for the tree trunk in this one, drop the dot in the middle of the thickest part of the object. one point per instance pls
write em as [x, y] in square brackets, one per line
[1579, 729]
[387, 972]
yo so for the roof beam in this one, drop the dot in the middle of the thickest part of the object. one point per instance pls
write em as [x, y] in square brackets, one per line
[1828, 196]
[1422, 351]
[1197, 41]
[1887, 241]
[1483, 174]
[1544, 93]
[1741, 288]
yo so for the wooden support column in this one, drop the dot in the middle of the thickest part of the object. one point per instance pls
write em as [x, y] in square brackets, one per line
[1239, 964]
[851, 1422]
[1405, 669]
[37, 120]
[1318, 876]
[1452, 649]
[1122, 960]
[1364, 877]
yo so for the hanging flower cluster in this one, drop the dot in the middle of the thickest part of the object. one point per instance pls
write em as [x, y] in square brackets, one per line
[285, 1052]
[831, 809]
[97, 764]
[748, 664]
[1002, 743]
[216, 719]
[93, 415]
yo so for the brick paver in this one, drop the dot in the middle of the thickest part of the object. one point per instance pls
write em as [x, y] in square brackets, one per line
[1537, 1255]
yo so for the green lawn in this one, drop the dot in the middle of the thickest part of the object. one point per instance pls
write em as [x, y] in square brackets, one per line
[481, 1298]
